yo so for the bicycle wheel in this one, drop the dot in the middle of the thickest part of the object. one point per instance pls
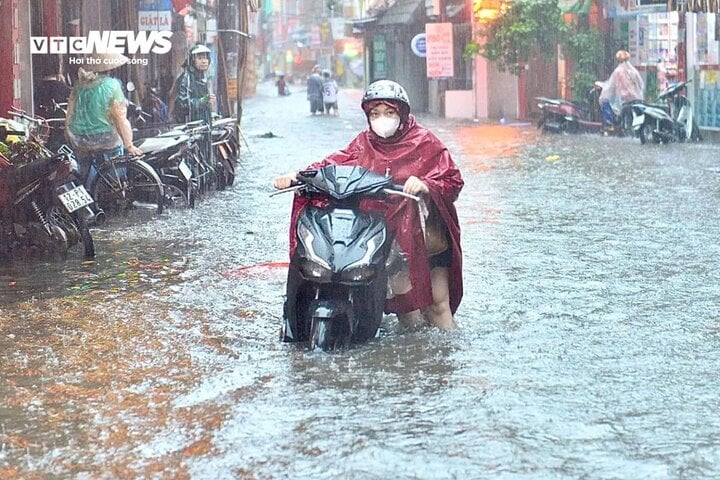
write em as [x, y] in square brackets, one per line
[179, 195]
[129, 187]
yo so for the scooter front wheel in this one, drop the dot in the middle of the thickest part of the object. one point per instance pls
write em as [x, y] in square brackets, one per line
[328, 334]
[320, 334]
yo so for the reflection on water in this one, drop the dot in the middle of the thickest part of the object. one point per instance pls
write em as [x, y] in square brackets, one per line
[120, 265]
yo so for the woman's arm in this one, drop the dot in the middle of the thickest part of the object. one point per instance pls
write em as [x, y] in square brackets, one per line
[118, 116]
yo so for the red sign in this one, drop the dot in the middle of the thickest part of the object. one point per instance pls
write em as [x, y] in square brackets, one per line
[439, 50]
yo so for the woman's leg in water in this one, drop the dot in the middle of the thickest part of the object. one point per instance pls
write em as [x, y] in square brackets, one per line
[439, 313]
[412, 320]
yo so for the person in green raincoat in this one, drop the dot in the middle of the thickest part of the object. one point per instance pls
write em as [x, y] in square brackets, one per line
[96, 122]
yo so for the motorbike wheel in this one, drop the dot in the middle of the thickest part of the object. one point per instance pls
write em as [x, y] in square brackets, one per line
[87, 240]
[695, 136]
[327, 334]
[61, 244]
[179, 196]
[320, 335]
[646, 133]
[59, 217]
[625, 125]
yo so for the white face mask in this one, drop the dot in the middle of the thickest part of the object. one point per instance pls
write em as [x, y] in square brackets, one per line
[385, 126]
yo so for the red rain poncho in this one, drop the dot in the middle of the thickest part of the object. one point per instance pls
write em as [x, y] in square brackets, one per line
[416, 152]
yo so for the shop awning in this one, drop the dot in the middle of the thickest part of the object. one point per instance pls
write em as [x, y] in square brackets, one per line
[403, 12]
[694, 6]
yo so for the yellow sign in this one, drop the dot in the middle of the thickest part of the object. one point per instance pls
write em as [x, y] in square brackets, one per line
[231, 86]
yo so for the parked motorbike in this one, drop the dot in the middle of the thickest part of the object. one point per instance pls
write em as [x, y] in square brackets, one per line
[558, 115]
[338, 275]
[58, 199]
[669, 120]
[44, 206]
[226, 150]
[564, 116]
[175, 156]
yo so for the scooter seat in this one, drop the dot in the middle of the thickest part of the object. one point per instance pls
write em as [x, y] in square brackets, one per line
[153, 145]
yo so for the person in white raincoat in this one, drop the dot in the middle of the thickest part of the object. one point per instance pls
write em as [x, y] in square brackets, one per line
[625, 84]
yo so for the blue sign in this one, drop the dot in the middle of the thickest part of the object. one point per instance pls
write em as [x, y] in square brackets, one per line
[418, 45]
[155, 5]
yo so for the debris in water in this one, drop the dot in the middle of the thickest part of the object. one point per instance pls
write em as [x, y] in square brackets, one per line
[267, 135]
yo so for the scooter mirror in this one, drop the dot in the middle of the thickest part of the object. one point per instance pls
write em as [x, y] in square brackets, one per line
[130, 87]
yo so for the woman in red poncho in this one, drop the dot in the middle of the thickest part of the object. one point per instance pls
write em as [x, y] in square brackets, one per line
[397, 146]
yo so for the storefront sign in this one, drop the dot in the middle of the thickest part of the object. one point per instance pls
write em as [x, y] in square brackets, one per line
[379, 57]
[155, 15]
[439, 50]
[338, 27]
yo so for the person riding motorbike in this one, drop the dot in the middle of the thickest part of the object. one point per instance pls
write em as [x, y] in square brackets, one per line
[396, 145]
[625, 85]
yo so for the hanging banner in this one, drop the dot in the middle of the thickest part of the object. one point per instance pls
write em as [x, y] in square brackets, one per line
[439, 50]
[338, 27]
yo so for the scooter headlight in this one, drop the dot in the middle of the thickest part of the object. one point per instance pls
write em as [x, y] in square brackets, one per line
[306, 237]
[314, 271]
[358, 274]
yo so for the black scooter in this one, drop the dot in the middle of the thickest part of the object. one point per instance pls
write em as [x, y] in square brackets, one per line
[48, 209]
[337, 280]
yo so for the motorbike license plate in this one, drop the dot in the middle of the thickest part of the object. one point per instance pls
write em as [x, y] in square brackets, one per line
[185, 170]
[75, 199]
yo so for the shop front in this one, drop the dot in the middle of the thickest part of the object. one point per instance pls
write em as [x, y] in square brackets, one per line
[703, 63]
[651, 35]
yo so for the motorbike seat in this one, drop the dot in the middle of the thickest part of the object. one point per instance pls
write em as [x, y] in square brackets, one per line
[223, 122]
[153, 145]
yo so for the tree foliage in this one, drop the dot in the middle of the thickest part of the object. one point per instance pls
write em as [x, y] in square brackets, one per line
[586, 48]
[527, 29]
[524, 29]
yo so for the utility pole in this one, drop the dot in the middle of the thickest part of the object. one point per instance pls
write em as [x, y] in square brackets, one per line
[238, 26]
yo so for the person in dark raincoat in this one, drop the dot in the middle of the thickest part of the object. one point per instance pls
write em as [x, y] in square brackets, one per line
[193, 100]
[397, 146]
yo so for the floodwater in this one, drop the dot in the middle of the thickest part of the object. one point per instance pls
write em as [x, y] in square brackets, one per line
[587, 348]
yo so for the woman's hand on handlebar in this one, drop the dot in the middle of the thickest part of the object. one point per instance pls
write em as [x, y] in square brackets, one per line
[415, 186]
[284, 181]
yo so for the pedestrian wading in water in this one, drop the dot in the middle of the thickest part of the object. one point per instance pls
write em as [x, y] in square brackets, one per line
[395, 145]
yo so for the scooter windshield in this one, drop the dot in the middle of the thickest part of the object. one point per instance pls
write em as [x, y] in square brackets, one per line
[343, 181]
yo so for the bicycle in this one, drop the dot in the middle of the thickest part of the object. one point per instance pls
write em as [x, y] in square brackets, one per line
[126, 186]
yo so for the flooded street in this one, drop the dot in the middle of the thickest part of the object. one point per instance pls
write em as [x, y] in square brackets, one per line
[587, 349]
